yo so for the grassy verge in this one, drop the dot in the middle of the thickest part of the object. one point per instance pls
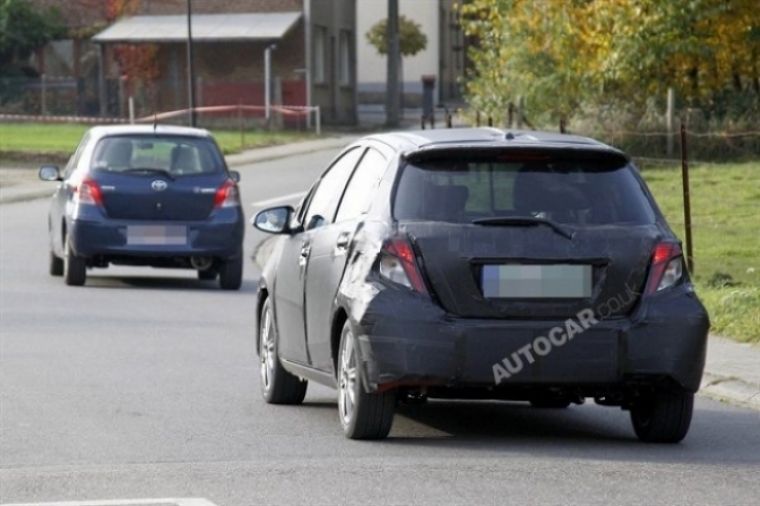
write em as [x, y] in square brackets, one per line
[61, 139]
[725, 202]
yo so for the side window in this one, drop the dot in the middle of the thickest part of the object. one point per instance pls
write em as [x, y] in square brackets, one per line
[74, 160]
[362, 186]
[325, 199]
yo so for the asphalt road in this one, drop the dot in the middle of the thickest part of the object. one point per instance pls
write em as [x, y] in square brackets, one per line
[144, 384]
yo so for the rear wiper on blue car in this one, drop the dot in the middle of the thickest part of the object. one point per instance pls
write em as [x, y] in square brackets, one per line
[524, 221]
[150, 170]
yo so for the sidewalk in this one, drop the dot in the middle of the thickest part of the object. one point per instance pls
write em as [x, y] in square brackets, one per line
[18, 185]
[732, 372]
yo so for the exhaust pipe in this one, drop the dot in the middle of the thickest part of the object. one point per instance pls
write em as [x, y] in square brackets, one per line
[201, 263]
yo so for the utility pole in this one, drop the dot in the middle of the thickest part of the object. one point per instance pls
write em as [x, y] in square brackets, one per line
[268, 81]
[392, 101]
[190, 69]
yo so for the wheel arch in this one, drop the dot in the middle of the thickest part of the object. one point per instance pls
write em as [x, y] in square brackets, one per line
[336, 328]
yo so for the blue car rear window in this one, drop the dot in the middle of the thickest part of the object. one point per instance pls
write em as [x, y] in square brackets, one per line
[176, 155]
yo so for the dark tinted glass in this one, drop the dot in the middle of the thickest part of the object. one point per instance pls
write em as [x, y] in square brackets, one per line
[361, 188]
[179, 156]
[567, 189]
[324, 200]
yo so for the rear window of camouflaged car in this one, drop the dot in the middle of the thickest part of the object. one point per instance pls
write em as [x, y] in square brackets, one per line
[569, 189]
[175, 155]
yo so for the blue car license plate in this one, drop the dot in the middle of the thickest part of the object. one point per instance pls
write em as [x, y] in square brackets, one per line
[156, 235]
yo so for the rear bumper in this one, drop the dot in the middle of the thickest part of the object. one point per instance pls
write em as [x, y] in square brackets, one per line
[405, 340]
[220, 236]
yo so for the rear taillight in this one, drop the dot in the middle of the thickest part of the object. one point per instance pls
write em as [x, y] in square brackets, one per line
[88, 193]
[667, 267]
[227, 195]
[398, 264]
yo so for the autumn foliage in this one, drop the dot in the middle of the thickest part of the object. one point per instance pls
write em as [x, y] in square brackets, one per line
[137, 62]
[564, 55]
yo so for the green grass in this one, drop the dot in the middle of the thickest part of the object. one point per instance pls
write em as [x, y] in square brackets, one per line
[725, 203]
[62, 139]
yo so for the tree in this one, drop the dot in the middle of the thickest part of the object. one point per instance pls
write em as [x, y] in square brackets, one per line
[412, 39]
[23, 29]
[564, 55]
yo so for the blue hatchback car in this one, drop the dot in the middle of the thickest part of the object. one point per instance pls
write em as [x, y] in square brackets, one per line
[158, 196]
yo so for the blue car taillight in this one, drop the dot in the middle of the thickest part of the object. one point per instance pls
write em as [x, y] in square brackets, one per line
[227, 195]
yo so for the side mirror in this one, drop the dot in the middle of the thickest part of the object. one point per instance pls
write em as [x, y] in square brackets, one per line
[235, 176]
[50, 173]
[275, 220]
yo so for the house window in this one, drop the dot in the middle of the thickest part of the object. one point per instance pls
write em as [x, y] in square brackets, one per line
[344, 49]
[320, 54]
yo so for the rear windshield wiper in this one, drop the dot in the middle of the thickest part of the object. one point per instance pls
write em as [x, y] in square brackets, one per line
[150, 170]
[524, 221]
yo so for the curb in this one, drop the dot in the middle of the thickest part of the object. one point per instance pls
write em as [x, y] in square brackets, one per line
[285, 150]
[23, 196]
[245, 158]
[731, 390]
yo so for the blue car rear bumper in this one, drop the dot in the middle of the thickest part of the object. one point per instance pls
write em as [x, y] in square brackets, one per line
[220, 236]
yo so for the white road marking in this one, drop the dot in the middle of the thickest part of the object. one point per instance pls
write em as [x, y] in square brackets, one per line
[184, 501]
[275, 200]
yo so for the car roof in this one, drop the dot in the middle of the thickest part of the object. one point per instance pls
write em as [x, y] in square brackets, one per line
[453, 138]
[109, 130]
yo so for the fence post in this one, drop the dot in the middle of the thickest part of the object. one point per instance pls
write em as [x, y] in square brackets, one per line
[686, 198]
[669, 120]
[520, 112]
[240, 125]
[43, 95]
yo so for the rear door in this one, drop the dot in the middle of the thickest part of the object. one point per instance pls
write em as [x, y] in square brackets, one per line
[161, 177]
[595, 254]
[289, 290]
[329, 253]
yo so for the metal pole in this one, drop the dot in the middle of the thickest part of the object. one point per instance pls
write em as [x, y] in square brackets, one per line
[393, 98]
[268, 82]
[43, 92]
[669, 120]
[190, 69]
[318, 120]
[131, 110]
[686, 199]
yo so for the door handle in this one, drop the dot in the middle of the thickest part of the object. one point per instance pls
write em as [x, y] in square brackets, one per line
[342, 243]
[305, 251]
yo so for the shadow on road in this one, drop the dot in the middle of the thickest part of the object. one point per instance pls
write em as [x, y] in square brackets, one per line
[163, 283]
[584, 432]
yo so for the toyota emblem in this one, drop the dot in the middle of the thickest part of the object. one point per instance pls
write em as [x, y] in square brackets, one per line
[158, 185]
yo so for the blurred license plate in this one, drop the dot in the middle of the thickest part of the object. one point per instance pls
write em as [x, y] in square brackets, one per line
[517, 281]
[156, 235]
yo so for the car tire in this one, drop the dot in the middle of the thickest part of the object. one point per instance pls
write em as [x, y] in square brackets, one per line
[231, 273]
[362, 415]
[207, 275]
[55, 265]
[278, 386]
[663, 417]
[74, 268]
[550, 403]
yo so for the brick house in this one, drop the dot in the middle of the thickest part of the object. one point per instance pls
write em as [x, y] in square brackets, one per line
[314, 62]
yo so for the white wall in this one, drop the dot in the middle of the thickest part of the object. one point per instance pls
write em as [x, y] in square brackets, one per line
[372, 67]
